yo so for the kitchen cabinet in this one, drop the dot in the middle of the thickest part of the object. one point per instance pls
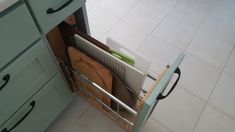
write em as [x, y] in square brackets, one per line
[28, 73]
[41, 109]
[36, 78]
[18, 32]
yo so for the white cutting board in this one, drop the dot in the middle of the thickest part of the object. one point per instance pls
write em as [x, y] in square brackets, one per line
[131, 76]
[141, 62]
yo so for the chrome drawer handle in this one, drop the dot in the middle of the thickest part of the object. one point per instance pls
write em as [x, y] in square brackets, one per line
[32, 104]
[51, 10]
[6, 79]
[160, 96]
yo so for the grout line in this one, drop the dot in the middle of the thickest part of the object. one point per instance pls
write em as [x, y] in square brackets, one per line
[207, 101]
[221, 71]
[157, 121]
[83, 113]
[226, 62]
[94, 7]
[218, 109]
[119, 20]
[167, 14]
[213, 90]
[229, 74]
[204, 61]
[75, 121]
[170, 43]
[199, 29]
[193, 94]
[189, 92]
[196, 32]
[233, 50]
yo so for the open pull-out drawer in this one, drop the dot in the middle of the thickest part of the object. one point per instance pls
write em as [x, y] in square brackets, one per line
[131, 118]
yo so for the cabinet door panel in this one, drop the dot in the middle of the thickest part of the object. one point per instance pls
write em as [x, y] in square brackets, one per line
[26, 76]
[48, 103]
[17, 32]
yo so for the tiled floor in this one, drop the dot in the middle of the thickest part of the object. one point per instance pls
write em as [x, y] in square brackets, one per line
[204, 100]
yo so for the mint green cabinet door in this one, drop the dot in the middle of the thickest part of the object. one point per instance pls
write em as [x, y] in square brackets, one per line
[156, 95]
[17, 32]
[42, 108]
[27, 75]
[60, 9]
